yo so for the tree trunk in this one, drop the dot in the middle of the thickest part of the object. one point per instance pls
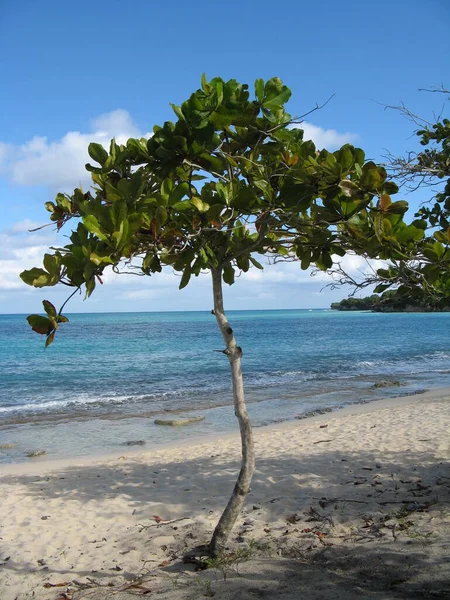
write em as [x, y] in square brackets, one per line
[242, 486]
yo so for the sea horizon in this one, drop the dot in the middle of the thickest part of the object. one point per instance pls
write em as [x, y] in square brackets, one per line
[120, 312]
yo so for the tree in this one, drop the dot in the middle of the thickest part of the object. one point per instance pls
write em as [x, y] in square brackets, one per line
[230, 180]
[424, 273]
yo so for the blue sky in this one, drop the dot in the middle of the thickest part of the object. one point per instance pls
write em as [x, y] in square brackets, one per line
[78, 72]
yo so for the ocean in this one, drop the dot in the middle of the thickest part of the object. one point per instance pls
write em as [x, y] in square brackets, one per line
[108, 376]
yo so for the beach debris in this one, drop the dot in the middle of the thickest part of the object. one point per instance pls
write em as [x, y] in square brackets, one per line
[7, 446]
[134, 443]
[35, 453]
[294, 518]
[315, 515]
[333, 500]
[178, 422]
[41, 562]
[386, 383]
[322, 441]
[164, 563]
[47, 584]
[323, 426]
[315, 412]
[161, 522]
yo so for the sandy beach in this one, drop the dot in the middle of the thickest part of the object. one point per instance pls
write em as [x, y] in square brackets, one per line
[344, 505]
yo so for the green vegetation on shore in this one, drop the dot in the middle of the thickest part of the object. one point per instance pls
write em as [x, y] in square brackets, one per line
[391, 301]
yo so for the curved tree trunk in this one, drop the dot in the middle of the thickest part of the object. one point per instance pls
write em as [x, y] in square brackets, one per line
[242, 486]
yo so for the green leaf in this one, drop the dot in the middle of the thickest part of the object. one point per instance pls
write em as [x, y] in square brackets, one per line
[185, 277]
[345, 157]
[199, 204]
[101, 258]
[204, 83]
[52, 263]
[178, 193]
[373, 176]
[40, 324]
[409, 233]
[166, 187]
[62, 319]
[275, 94]
[398, 208]
[120, 235]
[390, 187]
[38, 277]
[259, 89]
[50, 338]
[255, 263]
[97, 153]
[183, 206]
[118, 213]
[326, 260]
[92, 225]
[382, 287]
[228, 274]
[49, 309]
[90, 286]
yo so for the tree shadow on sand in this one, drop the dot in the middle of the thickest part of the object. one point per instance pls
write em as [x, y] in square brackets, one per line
[341, 524]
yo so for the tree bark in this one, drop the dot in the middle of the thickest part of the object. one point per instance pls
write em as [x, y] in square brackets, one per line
[242, 486]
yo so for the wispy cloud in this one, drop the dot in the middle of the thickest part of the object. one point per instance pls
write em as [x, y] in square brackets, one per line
[326, 138]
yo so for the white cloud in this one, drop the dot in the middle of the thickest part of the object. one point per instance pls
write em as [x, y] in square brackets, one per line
[20, 249]
[326, 138]
[59, 164]
[16, 261]
[23, 226]
[4, 150]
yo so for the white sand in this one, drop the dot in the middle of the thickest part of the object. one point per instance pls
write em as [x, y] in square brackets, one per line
[345, 505]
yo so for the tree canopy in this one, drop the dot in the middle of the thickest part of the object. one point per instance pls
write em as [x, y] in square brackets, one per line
[232, 178]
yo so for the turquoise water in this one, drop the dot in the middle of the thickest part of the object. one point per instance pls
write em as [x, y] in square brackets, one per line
[108, 375]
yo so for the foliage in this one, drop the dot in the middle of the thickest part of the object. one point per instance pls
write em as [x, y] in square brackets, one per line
[230, 180]
[392, 301]
[426, 269]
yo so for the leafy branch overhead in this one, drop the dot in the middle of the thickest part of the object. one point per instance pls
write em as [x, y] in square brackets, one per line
[230, 180]
[426, 276]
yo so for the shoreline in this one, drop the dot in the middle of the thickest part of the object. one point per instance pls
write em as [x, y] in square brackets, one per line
[356, 501]
[39, 464]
